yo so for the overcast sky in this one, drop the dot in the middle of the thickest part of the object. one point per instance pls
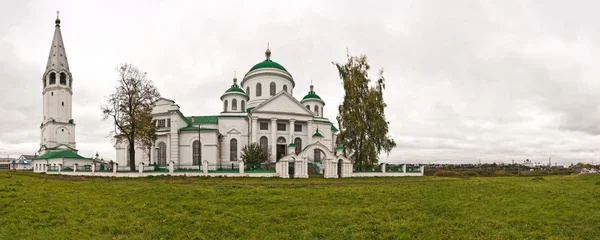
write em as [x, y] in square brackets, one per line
[466, 80]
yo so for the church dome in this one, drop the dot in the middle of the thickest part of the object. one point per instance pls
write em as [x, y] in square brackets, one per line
[268, 64]
[235, 88]
[311, 94]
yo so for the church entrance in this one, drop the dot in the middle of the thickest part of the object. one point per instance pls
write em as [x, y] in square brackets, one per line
[281, 148]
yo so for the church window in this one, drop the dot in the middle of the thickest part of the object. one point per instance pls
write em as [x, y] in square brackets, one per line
[63, 79]
[281, 127]
[264, 143]
[62, 103]
[234, 104]
[298, 143]
[225, 106]
[52, 78]
[243, 106]
[307, 107]
[233, 150]
[62, 130]
[248, 91]
[317, 157]
[264, 126]
[316, 110]
[258, 89]
[196, 152]
[297, 127]
[272, 89]
[168, 122]
[51, 93]
[161, 123]
[285, 88]
[161, 154]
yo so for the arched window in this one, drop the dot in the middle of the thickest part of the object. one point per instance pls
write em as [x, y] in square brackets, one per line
[243, 106]
[52, 78]
[234, 104]
[272, 89]
[298, 143]
[233, 150]
[285, 88]
[63, 79]
[307, 107]
[264, 143]
[161, 154]
[196, 152]
[258, 89]
[316, 110]
[317, 157]
[248, 92]
[225, 106]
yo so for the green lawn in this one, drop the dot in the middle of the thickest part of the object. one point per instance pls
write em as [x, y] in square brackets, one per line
[37, 206]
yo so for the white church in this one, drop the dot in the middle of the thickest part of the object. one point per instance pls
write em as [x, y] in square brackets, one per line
[260, 109]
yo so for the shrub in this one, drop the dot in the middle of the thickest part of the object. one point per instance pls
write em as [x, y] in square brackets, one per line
[501, 173]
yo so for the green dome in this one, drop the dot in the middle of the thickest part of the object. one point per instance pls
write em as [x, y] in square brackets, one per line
[311, 94]
[317, 134]
[234, 88]
[268, 64]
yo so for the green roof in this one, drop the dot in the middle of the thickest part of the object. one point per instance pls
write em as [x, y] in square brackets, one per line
[317, 134]
[339, 148]
[292, 145]
[203, 119]
[249, 109]
[193, 128]
[61, 154]
[310, 95]
[267, 64]
[333, 128]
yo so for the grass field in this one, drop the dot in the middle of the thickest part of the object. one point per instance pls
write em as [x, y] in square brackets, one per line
[37, 206]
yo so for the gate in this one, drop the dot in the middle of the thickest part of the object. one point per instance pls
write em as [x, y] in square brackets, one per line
[291, 169]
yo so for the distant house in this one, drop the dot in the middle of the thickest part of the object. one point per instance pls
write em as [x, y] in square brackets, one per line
[24, 162]
[5, 163]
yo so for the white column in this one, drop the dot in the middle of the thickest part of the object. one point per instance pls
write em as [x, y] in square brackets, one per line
[383, 168]
[115, 166]
[205, 166]
[241, 167]
[404, 168]
[274, 138]
[75, 167]
[292, 122]
[171, 167]
[141, 167]
[93, 168]
[59, 168]
[254, 129]
[310, 133]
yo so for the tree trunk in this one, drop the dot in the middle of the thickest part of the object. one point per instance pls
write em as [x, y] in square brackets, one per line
[131, 156]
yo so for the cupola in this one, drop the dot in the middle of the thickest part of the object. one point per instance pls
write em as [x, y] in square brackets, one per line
[313, 102]
[234, 99]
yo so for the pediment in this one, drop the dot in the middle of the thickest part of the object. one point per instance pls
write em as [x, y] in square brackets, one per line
[283, 103]
[233, 131]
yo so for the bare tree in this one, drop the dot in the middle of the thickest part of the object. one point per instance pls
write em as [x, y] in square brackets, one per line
[130, 107]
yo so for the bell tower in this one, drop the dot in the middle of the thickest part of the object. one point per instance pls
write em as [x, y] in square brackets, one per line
[58, 127]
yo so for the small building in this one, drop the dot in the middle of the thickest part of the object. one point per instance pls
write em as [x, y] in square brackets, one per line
[59, 160]
[5, 163]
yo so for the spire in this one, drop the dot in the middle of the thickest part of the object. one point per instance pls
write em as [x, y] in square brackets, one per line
[268, 53]
[57, 59]
[312, 87]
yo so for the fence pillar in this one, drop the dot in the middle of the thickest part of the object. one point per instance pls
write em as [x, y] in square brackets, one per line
[141, 168]
[115, 166]
[404, 168]
[241, 167]
[171, 167]
[205, 167]
[74, 167]
[383, 167]
[422, 168]
[93, 168]
[59, 167]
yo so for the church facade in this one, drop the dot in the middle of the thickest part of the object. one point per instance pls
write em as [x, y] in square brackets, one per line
[260, 109]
